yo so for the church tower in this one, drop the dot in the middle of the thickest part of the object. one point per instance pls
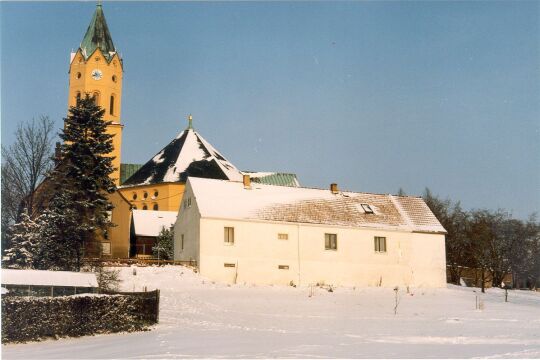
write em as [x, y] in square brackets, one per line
[96, 69]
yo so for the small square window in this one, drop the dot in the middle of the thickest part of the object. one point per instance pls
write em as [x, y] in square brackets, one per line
[330, 241]
[283, 267]
[283, 236]
[367, 208]
[229, 265]
[229, 235]
[380, 244]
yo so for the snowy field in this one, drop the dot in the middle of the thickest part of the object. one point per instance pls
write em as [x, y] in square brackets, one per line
[202, 319]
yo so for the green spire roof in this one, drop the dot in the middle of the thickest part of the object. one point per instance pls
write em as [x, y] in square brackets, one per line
[97, 36]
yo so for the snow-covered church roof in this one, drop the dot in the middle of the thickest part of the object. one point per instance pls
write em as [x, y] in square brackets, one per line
[231, 200]
[189, 154]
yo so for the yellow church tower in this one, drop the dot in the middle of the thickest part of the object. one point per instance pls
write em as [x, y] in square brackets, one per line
[96, 69]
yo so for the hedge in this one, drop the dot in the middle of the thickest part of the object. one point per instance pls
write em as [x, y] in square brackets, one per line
[35, 318]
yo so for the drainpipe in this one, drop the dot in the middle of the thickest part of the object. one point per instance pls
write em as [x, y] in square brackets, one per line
[298, 250]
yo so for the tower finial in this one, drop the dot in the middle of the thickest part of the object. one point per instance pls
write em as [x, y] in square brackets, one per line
[190, 121]
[99, 2]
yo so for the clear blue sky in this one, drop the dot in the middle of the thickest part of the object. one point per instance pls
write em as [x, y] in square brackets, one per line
[371, 95]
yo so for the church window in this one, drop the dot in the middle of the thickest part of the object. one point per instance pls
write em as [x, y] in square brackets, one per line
[145, 195]
[156, 193]
[134, 196]
[96, 98]
[156, 207]
[114, 78]
[79, 75]
[145, 207]
[111, 105]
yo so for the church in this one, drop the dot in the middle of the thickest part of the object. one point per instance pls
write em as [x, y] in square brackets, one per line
[148, 195]
[240, 226]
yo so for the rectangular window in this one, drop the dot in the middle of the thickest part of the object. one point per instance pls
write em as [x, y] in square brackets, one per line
[229, 235]
[283, 267]
[106, 248]
[380, 244]
[330, 241]
[283, 236]
[229, 265]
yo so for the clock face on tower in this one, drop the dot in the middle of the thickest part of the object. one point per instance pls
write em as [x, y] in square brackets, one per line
[97, 74]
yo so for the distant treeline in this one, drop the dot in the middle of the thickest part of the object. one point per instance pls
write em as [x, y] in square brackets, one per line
[491, 241]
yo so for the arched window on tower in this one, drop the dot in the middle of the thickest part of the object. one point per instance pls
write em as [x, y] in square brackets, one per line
[96, 98]
[77, 97]
[111, 105]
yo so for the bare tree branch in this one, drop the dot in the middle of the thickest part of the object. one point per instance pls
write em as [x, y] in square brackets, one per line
[24, 165]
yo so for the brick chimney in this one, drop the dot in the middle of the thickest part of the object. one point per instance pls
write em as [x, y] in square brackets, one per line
[247, 182]
[334, 188]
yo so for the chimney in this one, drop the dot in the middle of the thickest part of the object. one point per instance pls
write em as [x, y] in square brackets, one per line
[247, 182]
[333, 188]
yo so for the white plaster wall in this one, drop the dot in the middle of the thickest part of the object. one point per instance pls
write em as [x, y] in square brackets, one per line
[188, 224]
[412, 259]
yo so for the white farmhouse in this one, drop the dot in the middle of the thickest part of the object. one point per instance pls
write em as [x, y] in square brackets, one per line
[242, 232]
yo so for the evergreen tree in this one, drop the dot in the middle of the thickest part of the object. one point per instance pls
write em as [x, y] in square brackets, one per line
[24, 242]
[60, 234]
[164, 247]
[78, 210]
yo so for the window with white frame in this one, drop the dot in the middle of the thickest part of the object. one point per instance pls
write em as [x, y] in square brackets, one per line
[283, 236]
[330, 241]
[380, 244]
[228, 235]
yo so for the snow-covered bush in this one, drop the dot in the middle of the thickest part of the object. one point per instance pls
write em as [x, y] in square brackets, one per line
[35, 318]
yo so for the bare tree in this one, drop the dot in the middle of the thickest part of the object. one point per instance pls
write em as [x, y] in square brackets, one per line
[24, 165]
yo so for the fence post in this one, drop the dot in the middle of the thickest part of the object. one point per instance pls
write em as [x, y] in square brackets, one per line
[157, 306]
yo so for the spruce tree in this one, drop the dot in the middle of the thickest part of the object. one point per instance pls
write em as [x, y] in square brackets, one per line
[164, 247]
[79, 208]
[24, 243]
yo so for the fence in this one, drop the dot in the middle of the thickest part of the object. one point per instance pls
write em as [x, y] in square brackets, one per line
[35, 318]
[141, 261]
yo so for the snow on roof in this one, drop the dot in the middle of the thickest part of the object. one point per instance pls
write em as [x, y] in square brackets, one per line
[150, 223]
[48, 278]
[189, 154]
[230, 200]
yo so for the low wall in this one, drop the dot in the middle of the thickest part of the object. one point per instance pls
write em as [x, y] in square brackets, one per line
[32, 318]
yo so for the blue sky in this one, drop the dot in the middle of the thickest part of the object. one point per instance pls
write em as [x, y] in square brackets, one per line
[372, 95]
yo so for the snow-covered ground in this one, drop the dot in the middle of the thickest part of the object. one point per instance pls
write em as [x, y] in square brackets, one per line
[201, 319]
